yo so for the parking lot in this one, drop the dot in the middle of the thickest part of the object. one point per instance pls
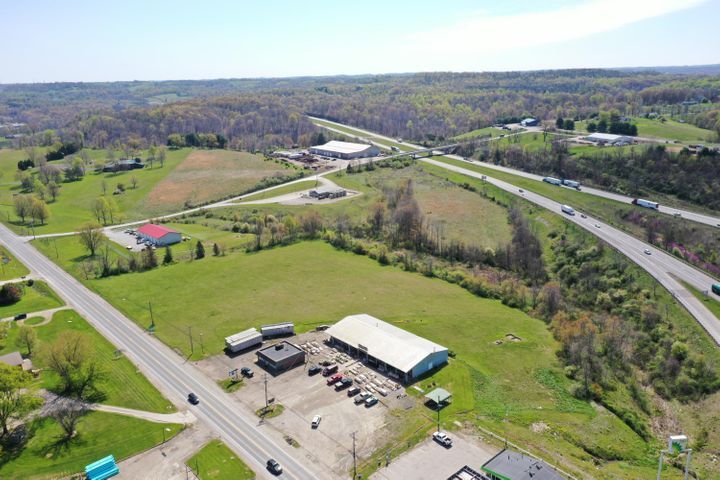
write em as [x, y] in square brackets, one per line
[303, 396]
[125, 239]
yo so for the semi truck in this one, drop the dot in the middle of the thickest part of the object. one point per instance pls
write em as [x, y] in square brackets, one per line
[571, 184]
[552, 181]
[567, 209]
[645, 203]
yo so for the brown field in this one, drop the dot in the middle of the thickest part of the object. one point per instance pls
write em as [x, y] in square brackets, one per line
[207, 175]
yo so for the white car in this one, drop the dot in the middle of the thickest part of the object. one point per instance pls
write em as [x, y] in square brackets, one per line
[442, 439]
[316, 421]
[647, 251]
[129, 247]
[597, 225]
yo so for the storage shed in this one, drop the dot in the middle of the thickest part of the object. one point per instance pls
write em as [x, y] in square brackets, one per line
[243, 340]
[403, 355]
[281, 356]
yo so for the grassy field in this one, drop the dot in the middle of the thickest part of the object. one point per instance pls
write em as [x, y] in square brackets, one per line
[482, 132]
[123, 385]
[215, 461]
[10, 268]
[670, 129]
[295, 187]
[47, 456]
[36, 298]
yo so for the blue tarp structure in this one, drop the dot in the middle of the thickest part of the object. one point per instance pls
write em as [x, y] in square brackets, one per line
[102, 469]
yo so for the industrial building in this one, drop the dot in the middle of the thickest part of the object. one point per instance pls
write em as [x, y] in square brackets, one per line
[280, 357]
[609, 139]
[403, 355]
[322, 193]
[511, 465]
[243, 340]
[277, 330]
[530, 122]
[345, 150]
[158, 234]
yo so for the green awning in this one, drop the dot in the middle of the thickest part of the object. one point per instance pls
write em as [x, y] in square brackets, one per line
[439, 395]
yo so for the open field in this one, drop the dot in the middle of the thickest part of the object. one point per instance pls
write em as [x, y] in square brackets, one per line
[47, 456]
[10, 268]
[123, 385]
[670, 129]
[215, 461]
[207, 175]
[482, 132]
[276, 192]
[36, 297]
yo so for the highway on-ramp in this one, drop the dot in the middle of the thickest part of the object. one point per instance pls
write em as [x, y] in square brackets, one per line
[166, 369]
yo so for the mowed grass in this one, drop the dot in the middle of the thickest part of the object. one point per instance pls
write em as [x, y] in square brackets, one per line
[36, 298]
[47, 456]
[227, 239]
[283, 190]
[670, 129]
[215, 461]
[208, 175]
[72, 207]
[122, 383]
[10, 267]
[482, 132]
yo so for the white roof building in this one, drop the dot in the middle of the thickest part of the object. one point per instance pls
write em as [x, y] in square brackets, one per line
[345, 150]
[608, 138]
[387, 346]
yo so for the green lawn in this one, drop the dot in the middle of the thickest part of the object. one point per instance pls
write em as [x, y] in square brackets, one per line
[670, 130]
[123, 385]
[482, 132]
[215, 461]
[295, 187]
[46, 456]
[36, 298]
[11, 268]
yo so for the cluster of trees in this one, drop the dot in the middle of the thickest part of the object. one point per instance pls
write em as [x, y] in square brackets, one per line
[61, 150]
[614, 126]
[565, 123]
[32, 207]
[201, 140]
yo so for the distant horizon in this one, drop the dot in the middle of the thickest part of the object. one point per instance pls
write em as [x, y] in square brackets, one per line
[651, 68]
[82, 41]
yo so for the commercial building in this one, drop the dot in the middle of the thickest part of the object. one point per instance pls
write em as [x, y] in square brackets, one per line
[124, 165]
[280, 357]
[609, 139]
[158, 234]
[345, 150]
[327, 192]
[530, 122]
[403, 355]
[243, 340]
[511, 465]
[277, 330]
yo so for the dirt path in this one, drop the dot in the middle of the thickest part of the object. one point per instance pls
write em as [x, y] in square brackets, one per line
[177, 417]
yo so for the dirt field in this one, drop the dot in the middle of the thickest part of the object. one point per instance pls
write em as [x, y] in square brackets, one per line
[208, 175]
[304, 396]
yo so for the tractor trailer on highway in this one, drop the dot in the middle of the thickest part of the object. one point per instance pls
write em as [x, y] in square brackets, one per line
[552, 181]
[645, 203]
[571, 184]
[567, 209]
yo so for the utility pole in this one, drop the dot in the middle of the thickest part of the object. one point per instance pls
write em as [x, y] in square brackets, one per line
[438, 412]
[192, 349]
[152, 319]
[202, 347]
[354, 457]
[266, 397]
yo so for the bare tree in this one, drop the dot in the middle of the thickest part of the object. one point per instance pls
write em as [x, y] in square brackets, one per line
[71, 357]
[133, 182]
[91, 237]
[67, 415]
[161, 155]
[27, 338]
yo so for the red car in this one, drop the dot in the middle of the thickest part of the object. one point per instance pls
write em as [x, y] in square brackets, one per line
[333, 379]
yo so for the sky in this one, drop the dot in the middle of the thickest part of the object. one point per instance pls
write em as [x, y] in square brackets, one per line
[96, 40]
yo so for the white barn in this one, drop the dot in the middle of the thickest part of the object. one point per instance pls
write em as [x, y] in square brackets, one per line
[403, 355]
[609, 139]
[345, 150]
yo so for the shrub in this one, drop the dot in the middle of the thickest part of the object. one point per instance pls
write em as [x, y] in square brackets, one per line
[10, 293]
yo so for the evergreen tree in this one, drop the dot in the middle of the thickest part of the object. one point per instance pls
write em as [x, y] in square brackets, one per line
[216, 249]
[149, 260]
[199, 250]
[168, 258]
[560, 123]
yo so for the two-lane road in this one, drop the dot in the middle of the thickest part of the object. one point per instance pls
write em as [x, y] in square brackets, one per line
[165, 368]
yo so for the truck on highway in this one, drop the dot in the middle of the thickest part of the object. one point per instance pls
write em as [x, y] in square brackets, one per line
[571, 184]
[716, 288]
[552, 181]
[645, 203]
[394, 148]
[567, 209]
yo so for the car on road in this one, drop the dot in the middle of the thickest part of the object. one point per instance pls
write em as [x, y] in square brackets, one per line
[597, 225]
[647, 251]
[314, 370]
[192, 398]
[246, 372]
[582, 215]
[316, 421]
[442, 439]
[521, 190]
[129, 247]
[371, 400]
[274, 466]
[20, 316]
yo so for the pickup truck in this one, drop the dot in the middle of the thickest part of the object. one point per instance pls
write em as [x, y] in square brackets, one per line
[334, 379]
[442, 439]
[344, 382]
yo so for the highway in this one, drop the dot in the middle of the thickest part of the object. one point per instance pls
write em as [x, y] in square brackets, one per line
[665, 268]
[687, 214]
[166, 369]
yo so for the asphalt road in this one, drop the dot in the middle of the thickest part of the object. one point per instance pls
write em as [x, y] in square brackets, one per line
[662, 266]
[167, 369]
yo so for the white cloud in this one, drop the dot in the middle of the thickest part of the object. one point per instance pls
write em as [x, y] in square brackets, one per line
[483, 33]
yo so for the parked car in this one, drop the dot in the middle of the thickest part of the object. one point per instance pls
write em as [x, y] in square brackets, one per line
[274, 466]
[361, 398]
[314, 370]
[442, 439]
[353, 391]
[246, 372]
[20, 316]
[316, 421]
[192, 398]
[334, 379]
[371, 400]
[329, 370]
[344, 382]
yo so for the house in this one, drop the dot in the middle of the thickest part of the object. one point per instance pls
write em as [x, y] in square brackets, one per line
[530, 122]
[14, 359]
[345, 150]
[124, 165]
[158, 234]
[403, 355]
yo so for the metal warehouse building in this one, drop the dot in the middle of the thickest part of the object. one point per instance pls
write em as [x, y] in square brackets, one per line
[511, 465]
[402, 354]
[345, 150]
[280, 357]
[159, 234]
